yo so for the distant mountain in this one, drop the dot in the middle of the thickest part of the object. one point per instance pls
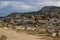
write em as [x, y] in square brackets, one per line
[52, 10]
[47, 10]
[22, 14]
[2, 18]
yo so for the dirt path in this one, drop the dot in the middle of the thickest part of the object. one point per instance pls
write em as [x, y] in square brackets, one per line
[13, 35]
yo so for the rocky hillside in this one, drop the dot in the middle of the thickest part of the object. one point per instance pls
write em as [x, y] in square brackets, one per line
[51, 10]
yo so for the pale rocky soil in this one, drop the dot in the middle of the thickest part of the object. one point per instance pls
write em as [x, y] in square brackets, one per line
[13, 35]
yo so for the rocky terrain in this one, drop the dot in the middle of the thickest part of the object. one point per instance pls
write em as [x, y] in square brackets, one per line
[45, 20]
[13, 35]
[50, 10]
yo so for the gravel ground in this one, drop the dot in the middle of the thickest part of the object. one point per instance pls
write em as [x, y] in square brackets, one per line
[13, 35]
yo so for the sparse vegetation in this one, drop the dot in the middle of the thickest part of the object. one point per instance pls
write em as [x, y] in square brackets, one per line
[32, 32]
[3, 37]
[31, 19]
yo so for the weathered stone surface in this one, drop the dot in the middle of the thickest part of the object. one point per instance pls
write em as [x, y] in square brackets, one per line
[50, 10]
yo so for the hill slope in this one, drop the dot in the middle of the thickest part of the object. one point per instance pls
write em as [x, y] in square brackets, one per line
[51, 10]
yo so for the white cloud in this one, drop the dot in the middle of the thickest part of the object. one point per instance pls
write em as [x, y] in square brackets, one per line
[28, 5]
[43, 2]
[58, 4]
[3, 4]
[21, 7]
[47, 3]
[15, 5]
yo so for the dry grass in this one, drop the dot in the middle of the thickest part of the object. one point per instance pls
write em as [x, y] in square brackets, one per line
[31, 32]
[3, 37]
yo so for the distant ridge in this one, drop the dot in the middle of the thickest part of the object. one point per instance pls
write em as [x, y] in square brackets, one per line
[51, 10]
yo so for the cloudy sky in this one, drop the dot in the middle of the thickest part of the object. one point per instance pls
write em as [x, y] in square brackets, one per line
[9, 6]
